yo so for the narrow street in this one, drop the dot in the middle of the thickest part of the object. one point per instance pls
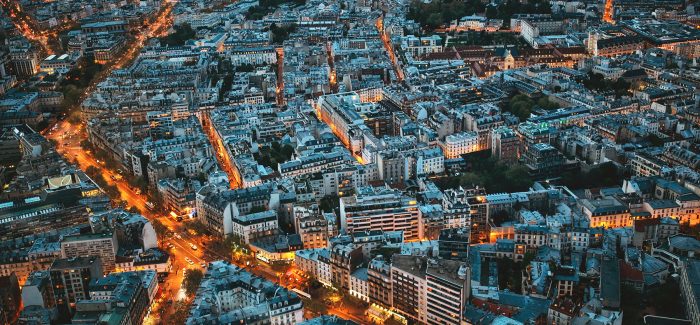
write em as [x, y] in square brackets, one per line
[221, 153]
[331, 64]
[389, 49]
[280, 76]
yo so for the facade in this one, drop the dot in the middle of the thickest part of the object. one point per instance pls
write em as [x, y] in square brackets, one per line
[359, 284]
[10, 299]
[71, 278]
[690, 289]
[38, 291]
[458, 144]
[103, 245]
[409, 286]
[379, 282]
[606, 213]
[344, 260]
[505, 144]
[448, 288]
[380, 209]
[255, 225]
[312, 227]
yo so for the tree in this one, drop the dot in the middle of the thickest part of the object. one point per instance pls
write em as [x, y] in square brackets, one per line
[329, 203]
[280, 34]
[180, 314]
[86, 145]
[199, 227]
[545, 103]
[159, 228]
[182, 34]
[191, 281]
[521, 106]
[491, 11]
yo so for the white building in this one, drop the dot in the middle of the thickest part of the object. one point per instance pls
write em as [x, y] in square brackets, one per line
[250, 226]
[253, 56]
[459, 144]
[359, 287]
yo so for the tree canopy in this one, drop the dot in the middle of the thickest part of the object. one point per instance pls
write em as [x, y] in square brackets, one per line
[191, 281]
[182, 34]
[597, 82]
[490, 173]
[522, 105]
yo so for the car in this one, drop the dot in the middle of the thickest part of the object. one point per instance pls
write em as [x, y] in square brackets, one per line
[178, 236]
[193, 246]
[203, 265]
[191, 263]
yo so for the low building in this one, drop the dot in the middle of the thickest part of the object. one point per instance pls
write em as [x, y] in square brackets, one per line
[251, 226]
[217, 299]
[458, 144]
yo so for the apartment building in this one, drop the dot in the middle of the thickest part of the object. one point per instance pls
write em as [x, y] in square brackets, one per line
[71, 278]
[312, 227]
[380, 209]
[255, 225]
[409, 286]
[606, 212]
[103, 245]
[458, 144]
[448, 286]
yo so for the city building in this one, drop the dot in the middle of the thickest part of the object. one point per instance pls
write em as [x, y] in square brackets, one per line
[230, 294]
[103, 245]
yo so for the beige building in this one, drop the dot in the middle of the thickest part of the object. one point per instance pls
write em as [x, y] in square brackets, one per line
[103, 245]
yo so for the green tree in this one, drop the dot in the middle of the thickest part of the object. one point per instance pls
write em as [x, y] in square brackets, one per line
[191, 281]
[182, 34]
[329, 203]
[180, 314]
[199, 227]
[545, 103]
[160, 229]
[281, 33]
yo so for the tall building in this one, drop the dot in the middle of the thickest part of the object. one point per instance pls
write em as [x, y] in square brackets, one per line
[102, 244]
[453, 244]
[379, 282]
[25, 59]
[474, 199]
[345, 259]
[37, 290]
[408, 286]
[128, 291]
[71, 278]
[447, 291]
[690, 289]
[312, 227]
[505, 144]
[543, 160]
[373, 208]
